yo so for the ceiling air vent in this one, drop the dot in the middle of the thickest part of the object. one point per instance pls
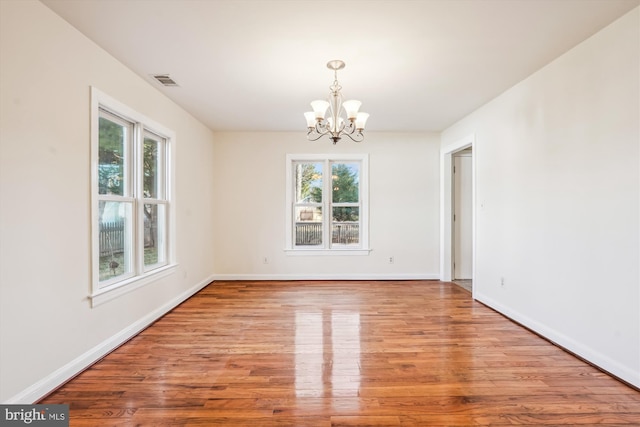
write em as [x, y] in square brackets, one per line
[165, 80]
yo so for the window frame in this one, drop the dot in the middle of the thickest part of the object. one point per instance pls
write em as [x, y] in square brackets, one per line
[327, 248]
[141, 127]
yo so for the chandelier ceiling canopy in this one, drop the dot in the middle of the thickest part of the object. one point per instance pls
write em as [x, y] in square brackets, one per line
[335, 125]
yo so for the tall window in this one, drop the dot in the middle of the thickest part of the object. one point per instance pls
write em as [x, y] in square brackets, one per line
[131, 188]
[327, 203]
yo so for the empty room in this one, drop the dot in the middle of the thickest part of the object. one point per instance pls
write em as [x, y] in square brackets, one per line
[297, 213]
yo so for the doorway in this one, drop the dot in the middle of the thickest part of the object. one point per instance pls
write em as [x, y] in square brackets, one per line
[462, 246]
[461, 241]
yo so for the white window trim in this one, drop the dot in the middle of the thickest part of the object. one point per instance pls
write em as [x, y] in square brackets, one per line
[101, 294]
[363, 249]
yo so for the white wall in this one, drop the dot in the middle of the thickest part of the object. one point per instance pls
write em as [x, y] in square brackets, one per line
[250, 190]
[47, 326]
[557, 199]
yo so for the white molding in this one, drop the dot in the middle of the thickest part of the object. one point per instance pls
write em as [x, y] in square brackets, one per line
[587, 353]
[63, 374]
[338, 276]
[327, 252]
[126, 286]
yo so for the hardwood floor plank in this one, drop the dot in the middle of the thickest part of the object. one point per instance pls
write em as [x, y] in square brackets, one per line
[367, 353]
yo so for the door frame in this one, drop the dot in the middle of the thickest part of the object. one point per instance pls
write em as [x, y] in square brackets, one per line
[446, 206]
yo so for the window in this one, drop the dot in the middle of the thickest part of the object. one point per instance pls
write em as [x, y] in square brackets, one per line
[131, 198]
[327, 204]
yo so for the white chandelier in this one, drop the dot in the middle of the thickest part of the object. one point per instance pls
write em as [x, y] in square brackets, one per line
[335, 126]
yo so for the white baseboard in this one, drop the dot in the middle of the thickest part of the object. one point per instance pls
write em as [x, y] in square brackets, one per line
[65, 373]
[258, 277]
[579, 349]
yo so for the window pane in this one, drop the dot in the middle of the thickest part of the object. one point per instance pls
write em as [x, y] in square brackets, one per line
[112, 149]
[154, 234]
[308, 182]
[152, 160]
[345, 225]
[115, 240]
[345, 182]
[308, 226]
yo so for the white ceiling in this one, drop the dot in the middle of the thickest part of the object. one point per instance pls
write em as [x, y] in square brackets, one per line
[415, 65]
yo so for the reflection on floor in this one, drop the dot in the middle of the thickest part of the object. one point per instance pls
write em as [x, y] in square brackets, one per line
[463, 283]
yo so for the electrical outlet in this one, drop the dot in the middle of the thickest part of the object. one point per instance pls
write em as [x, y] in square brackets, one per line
[502, 282]
[265, 260]
[390, 260]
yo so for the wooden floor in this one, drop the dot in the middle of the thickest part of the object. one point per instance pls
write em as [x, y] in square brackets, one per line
[415, 353]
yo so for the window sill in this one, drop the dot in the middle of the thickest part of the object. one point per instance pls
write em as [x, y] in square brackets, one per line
[327, 252]
[111, 292]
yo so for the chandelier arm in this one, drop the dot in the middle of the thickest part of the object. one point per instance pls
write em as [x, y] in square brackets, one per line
[359, 137]
[311, 136]
[350, 128]
[321, 127]
[320, 130]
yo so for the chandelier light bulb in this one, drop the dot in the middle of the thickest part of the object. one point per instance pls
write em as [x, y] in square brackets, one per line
[320, 107]
[311, 118]
[361, 119]
[351, 107]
